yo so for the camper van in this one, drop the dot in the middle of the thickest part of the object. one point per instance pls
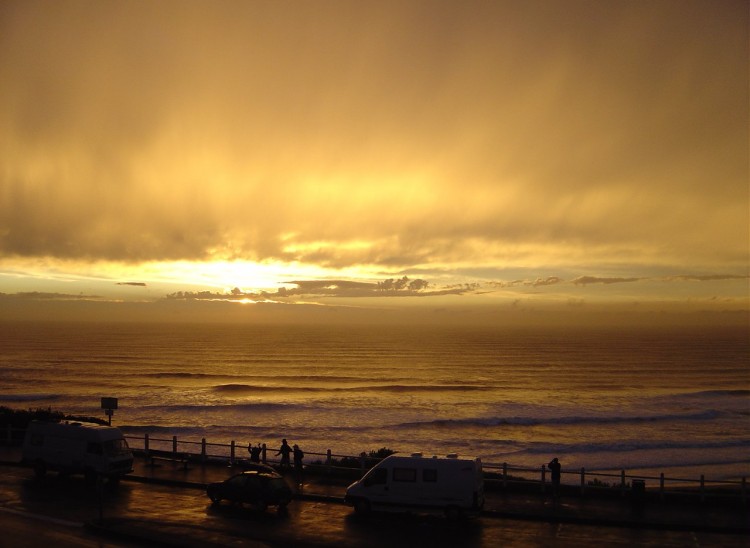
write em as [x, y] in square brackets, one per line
[77, 448]
[452, 484]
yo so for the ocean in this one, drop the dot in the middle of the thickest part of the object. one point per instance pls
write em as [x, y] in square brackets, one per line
[672, 400]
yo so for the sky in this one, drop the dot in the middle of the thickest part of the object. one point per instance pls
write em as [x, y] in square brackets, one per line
[289, 160]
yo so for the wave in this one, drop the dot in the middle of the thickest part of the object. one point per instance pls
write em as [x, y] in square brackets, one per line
[224, 408]
[244, 388]
[174, 430]
[28, 397]
[569, 420]
[264, 378]
[634, 445]
[375, 388]
[181, 375]
[737, 393]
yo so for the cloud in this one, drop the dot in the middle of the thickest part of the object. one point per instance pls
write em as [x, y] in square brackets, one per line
[551, 280]
[135, 284]
[42, 296]
[585, 280]
[497, 133]
[706, 278]
[318, 289]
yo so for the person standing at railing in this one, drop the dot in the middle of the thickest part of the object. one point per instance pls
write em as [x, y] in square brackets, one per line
[284, 451]
[298, 456]
[254, 452]
[554, 467]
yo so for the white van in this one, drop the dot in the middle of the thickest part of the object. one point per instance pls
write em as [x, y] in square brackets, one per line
[452, 484]
[77, 448]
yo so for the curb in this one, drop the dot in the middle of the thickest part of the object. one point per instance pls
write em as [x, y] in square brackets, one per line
[502, 514]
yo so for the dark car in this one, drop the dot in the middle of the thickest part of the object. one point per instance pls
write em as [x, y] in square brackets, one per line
[259, 488]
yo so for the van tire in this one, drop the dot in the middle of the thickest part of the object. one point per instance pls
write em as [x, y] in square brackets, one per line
[40, 469]
[362, 507]
[90, 476]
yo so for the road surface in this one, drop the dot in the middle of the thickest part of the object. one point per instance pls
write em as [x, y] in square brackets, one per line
[53, 511]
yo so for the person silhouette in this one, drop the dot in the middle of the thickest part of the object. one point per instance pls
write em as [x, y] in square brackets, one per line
[554, 467]
[284, 451]
[298, 456]
[254, 453]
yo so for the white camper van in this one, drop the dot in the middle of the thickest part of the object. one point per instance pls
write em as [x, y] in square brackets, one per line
[77, 448]
[452, 484]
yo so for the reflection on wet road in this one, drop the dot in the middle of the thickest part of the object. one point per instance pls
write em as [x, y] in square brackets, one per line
[189, 512]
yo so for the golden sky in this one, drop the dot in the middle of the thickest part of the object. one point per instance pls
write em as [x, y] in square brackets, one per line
[504, 155]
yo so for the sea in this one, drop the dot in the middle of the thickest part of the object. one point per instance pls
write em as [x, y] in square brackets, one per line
[648, 401]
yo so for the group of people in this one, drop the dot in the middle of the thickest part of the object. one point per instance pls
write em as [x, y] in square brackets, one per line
[285, 451]
[297, 455]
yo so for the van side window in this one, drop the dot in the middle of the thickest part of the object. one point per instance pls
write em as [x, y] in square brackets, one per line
[94, 448]
[379, 476]
[429, 475]
[405, 474]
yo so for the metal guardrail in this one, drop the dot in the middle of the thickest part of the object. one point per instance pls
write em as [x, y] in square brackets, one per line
[503, 474]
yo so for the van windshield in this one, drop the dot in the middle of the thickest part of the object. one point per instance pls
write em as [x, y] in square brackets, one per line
[116, 447]
[376, 476]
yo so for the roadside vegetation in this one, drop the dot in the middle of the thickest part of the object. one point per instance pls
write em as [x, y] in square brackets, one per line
[19, 419]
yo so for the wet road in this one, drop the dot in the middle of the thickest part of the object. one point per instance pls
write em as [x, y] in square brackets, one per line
[61, 506]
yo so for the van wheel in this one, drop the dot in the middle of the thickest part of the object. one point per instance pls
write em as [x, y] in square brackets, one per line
[40, 469]
[362, 507]
[90, 476]
[453, 513]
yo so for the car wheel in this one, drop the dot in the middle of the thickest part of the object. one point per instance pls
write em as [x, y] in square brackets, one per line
[262, 505]
[215, 497]
[362, 507]
[453, 513]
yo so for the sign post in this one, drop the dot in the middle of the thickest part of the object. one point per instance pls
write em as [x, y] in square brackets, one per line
[109, 405]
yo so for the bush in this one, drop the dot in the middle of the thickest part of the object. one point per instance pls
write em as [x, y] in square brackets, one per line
[355, 462]
[20, 418]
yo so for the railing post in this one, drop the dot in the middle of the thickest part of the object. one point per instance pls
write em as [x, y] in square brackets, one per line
[362, 462]
[743, 487]
[9, 431]
[174, 444]
[329, 461]
[263, 453]
[204, 455]
[661, 486]
[622, 483]
[231, 453]
[145, 442]
[703, 488]
[505, 475]
[544, 474]
[583, 480]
